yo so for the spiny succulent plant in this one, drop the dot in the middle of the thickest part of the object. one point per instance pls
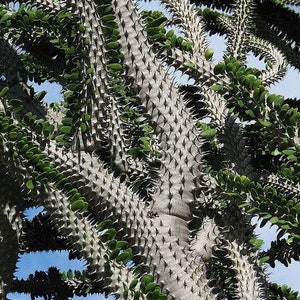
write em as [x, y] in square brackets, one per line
[152, 182]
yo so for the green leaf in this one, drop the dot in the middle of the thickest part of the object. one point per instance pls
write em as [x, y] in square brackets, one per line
[16, 103]
[113, 45]
[74, 87]
[107, 18]
[290, 131]
[115, 67]
[265, 123]
[24, 149]
[146, 279]
[109, 234]
[65, 129]
[79, 205]
[104, 225]
[170, 33]
[60, 138]
[26, 20]
[40, 96]
[114, 253]
[81, 28]
[145, 143]
[87, 41]
[276, 152]
[208, 133]
[83, 127]
[4, 18]
[256, 243]
[240, 103]
[216, 87]
[288, 152]
[72, 77]
[264, 259]
[112, 244]
[29, 154]
[159, 36]
[297, 236]
[209, 54]
[157, 22]
[61, 183]
[295, 118]
[70, 274]
[250, 80]
[122, 244]
[30, 184]
[140, 119]
[48, 129]
[138, 270]
[263, 95]
[133, 284]
[292, 158]
[137, 295]
[150, 287]
[42, 177]
[189, 46]
[4, 91]
[108, 9]
[54, 41]
[279, 100]
[72, 192]
[245, 180]
[64, 276]
[90, 71]
[189, 65]
[124, 257]
[12, 135]
[274, 220]
[76, 196]
[153, 30]
[67, 121]
[250, 113]
[219, 68]
[31, 15]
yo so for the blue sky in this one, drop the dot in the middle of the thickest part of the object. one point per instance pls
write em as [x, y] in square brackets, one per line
[41, 261]
[28, 263]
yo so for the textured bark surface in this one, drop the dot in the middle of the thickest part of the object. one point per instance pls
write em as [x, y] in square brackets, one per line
[153, 183]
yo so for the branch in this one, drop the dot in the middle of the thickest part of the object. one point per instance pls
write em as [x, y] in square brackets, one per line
[40, 235]
[237, 45]
[10, 228]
